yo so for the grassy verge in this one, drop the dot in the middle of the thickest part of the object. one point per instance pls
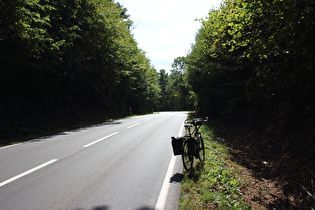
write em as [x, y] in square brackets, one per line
[247, 167]
[217, 183]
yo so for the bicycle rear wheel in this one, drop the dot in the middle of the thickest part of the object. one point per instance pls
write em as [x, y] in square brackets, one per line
[187, 155]
[201, 149]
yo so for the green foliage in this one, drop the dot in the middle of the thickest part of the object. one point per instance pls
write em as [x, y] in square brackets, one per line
[164, 102]
[252, 62]
[176, 92]
[70, 58]
[255, 56]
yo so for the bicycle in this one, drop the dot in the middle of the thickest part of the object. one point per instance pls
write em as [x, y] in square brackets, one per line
[191, 145]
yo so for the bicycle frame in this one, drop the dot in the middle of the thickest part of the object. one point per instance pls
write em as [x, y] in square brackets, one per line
[195, 131]
[193, 145]
[197, 123]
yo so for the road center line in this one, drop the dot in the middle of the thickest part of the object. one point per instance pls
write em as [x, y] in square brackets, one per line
[27, 172]
[160, 204]
[94, 142]
[134, 125]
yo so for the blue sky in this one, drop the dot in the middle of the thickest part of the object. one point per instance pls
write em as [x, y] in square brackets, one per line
[165, 29]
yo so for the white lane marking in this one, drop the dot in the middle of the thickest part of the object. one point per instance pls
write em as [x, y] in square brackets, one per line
[149, 119]
[134, 125]
[94, 142]
[13, 145]
[160, 204]
[27, 172]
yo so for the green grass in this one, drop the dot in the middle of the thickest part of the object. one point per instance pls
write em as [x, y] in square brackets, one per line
[216, 183]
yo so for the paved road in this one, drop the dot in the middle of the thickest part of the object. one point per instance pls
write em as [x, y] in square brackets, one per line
[118, 165]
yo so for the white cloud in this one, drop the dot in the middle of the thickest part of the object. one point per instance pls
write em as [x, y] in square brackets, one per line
[165, 29]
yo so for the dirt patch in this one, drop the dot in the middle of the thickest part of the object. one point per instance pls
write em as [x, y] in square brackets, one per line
[279, 169]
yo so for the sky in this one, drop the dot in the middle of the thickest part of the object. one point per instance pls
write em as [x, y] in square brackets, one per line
[165, 29]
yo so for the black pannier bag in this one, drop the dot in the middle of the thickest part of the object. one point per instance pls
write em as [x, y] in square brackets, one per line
[177, 144]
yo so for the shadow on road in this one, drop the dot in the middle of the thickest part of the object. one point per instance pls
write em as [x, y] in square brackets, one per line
[146, 208]
[97, 208]
[177, 178]
[64, 133]
[101, 208]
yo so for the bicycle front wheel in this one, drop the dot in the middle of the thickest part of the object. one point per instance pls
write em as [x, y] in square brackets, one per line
[201, 149]
[187, 155]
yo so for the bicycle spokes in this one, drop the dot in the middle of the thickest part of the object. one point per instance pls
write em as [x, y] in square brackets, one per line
[187, 156]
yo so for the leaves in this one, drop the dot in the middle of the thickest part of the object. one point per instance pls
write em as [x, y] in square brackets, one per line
[76, 56]
[253, 52]
[176, 93]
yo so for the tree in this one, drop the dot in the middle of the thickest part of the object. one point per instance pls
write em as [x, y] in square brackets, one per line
[176, 94]
[64, 61]
[163, 82]
[183, 97]
[253, 57]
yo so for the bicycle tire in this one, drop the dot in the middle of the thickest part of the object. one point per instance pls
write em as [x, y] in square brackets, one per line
[187, 157]
[201, 153]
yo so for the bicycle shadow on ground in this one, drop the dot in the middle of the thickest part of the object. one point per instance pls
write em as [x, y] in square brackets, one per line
[178, 177]
[195, 172]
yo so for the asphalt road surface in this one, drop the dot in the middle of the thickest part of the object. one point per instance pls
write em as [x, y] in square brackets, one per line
[124, 164]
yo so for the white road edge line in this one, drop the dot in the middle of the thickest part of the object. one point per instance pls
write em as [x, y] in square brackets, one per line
[94, 142]
[27, 172]
[134, 125]
[160, 204]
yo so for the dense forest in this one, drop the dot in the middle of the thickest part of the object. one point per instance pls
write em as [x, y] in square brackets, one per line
[254, 57]
[251, 70]
[63, 62]
[254, 61]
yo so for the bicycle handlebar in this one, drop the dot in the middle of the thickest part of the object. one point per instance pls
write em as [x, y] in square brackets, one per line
[197, 121]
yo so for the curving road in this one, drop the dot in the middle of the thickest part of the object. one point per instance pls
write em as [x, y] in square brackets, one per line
[124, 164]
